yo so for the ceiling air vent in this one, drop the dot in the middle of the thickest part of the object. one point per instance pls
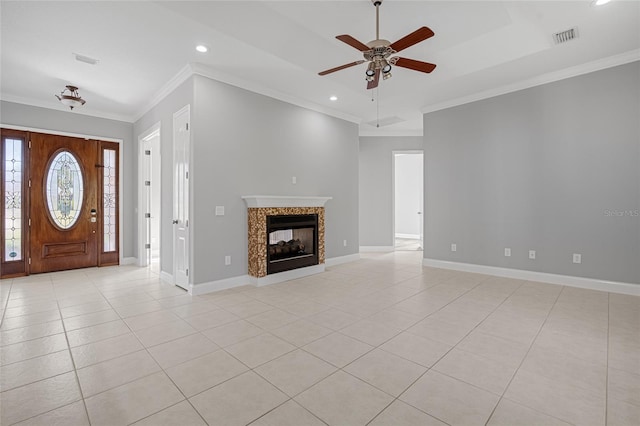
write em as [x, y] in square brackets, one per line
[565, 36]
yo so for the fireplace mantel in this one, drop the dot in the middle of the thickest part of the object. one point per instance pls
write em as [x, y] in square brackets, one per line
[262, 201]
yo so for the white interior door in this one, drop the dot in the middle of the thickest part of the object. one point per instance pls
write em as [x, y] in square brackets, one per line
[408, 198]
[181, 142]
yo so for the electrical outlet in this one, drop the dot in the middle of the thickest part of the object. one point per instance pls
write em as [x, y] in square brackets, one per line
[454, 247]
[532, 254]
[507, 252]
[577, 258]
[219, 210]
[294, 180]
[227, 260]
[344, 243]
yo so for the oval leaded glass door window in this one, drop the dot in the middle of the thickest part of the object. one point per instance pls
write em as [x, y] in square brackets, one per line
[64, 189]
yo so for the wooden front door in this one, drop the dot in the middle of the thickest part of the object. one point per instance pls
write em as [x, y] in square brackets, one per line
[68, 204]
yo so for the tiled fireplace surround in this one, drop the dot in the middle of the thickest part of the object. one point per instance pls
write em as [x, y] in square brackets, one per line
[259, 207]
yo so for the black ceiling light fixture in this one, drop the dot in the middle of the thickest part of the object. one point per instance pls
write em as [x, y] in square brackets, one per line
[70, 97]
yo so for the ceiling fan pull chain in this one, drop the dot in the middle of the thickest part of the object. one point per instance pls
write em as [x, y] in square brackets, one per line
[377, 107]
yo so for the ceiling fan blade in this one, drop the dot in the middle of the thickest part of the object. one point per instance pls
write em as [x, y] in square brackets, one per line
[345, 38]
[412, 64]
[341, 67]
[417, 36]
[376, 79]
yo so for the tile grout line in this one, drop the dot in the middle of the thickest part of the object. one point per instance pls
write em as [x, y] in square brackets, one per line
[524, 358]
[396, 398]
[146, 349]
[6, 302]
[452, 348]
[73, 362]
[68, 349]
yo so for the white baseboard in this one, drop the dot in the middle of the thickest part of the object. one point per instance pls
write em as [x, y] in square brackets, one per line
[166, 277]
[287, 275]
[408, 236]
[342, 259]
[383, 249]
[571, 281]
[208, 287]
[129, 261]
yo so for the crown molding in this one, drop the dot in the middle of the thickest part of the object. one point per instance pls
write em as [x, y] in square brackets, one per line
[183, 75]
[204, 71]
[382, 133]
[600, 64]
[195, 68]
[56, 107]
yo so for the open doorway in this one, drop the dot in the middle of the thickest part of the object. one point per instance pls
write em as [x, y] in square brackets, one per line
[150, 191]
[408, 197]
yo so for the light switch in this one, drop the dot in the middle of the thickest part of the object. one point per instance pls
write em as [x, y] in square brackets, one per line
[219, 210]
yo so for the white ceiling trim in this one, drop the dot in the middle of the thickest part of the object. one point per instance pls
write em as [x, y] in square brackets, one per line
[612, 61]
[400, 132]
[204, 71]
[183, 75]
[264, 90]
[52, 106]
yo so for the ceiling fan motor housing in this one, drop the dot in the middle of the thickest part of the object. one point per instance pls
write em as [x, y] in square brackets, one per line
[378, 52]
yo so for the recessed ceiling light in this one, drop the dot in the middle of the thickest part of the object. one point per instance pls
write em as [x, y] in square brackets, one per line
[201, 48]
[333, 98]
[600, 2]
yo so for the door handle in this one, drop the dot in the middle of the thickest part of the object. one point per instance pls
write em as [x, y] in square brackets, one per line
[175, 221]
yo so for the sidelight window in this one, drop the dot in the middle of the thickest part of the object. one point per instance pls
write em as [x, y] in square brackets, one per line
[64, 189]
[109, 203]
[12, 192]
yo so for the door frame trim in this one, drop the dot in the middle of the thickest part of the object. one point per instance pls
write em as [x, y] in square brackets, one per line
[393, 192]
[120, 168]
[141, 250]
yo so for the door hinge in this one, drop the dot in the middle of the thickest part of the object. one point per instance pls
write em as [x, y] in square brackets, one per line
[147, 183]
[29, 261]
[186, 223]
[29, 183]
[147, 215]
[147, 246]
[147, 152]
[186, 175]
[187, 271]
[187, 126]
[29, 144]
[29, 221]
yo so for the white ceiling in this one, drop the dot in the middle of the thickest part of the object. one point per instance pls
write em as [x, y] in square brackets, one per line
[277, 47]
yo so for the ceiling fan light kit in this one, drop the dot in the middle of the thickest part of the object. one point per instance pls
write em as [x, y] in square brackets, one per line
[70, 97]
[378, 53]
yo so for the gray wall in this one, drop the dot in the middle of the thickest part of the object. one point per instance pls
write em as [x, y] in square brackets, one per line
[163, 113]
[540, 169]
[69, 122]
[376, 186]
[249, 144]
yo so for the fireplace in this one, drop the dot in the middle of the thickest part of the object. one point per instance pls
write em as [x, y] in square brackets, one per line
[292, 242]
[282, 224]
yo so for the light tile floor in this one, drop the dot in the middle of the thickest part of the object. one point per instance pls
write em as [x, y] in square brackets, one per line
[380, 341]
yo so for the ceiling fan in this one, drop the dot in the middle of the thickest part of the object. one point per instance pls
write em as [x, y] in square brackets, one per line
[378, 52]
